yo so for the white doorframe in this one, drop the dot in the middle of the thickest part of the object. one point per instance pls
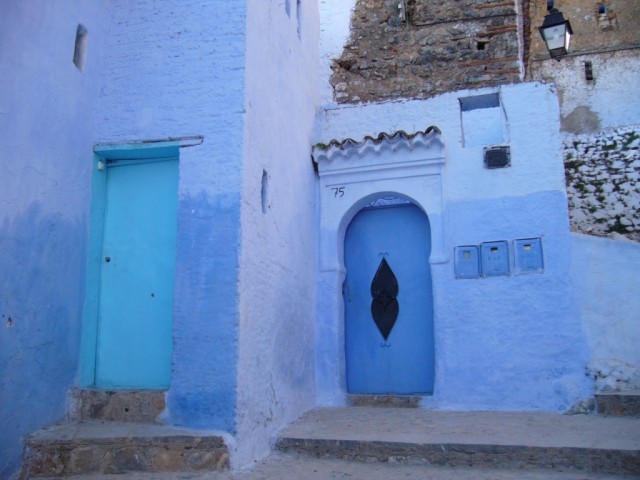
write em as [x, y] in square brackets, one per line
[352, 175]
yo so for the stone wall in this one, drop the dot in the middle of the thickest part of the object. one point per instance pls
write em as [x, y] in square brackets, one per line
[423, 48]
[603, 182]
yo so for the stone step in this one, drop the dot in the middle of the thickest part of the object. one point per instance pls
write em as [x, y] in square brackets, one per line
[116, 448]
[142, 406]
[499, 440]
[626, 403]
[294, 467]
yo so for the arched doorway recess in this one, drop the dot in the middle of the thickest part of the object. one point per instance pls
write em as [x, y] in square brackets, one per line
[354, 175]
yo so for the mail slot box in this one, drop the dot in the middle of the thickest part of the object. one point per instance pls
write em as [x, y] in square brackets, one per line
[527, 254]
[467, 261]
[494, 259]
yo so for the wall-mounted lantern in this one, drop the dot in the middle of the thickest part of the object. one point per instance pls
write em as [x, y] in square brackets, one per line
[556, 32]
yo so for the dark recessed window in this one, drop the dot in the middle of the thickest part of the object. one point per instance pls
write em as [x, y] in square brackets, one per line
[588, 70]
[80, 50]
[299, 16]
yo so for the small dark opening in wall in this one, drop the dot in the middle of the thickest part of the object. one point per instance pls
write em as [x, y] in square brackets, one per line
[480, 45]
[264, 192]
[602, 9]
[588, 70]
[489, 100]
[80, 50]
[299, 16]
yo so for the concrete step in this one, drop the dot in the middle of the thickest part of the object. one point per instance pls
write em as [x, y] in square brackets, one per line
[626, 403]
[116, 448]
[142, 406]
[498, 440]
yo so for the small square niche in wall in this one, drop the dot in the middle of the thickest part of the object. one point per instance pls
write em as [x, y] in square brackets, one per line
[482, 120]
[497, 157]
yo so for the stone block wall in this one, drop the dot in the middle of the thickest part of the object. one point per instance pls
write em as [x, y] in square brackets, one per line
[419, 48]
[603, 182]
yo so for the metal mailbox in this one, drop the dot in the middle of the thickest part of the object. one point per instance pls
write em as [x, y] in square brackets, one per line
[467, 261]
[494, 259]
[528, 256]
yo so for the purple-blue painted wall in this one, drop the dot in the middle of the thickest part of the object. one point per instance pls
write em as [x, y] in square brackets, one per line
[176, 69]
[46, 104]
[168, 70]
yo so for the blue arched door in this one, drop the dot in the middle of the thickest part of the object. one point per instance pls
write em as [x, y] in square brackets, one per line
[389, 345]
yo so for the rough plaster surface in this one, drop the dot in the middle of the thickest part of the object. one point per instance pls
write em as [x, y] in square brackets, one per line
[529, 323]
[608, 293]
[45, 156]
[278, 245]
[170, 71]
[589, 106]
[603, 182]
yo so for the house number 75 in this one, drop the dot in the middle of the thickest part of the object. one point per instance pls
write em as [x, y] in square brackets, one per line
[338, 192]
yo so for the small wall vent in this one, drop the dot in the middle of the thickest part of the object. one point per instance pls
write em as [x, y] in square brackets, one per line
[497, 157]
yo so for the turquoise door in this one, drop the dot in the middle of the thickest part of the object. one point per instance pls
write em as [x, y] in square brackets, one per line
[389, 345]
[134, 342]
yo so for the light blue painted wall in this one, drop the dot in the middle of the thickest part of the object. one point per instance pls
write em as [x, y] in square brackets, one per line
[278, 243]
[45, 160]
[606, 279]
[171, 69]
[510, 343]
[503, 342]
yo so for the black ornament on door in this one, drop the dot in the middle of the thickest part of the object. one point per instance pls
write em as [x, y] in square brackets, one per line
[384, 307]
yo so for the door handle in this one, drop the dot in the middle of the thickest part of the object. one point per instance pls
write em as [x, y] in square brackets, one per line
[346, 292]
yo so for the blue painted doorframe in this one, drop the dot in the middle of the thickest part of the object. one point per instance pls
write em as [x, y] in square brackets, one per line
[128, 313]
[404, 362]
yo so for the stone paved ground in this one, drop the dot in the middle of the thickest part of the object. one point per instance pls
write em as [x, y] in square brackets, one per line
[285, 467]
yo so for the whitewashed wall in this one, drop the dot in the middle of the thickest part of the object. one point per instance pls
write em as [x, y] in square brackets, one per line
[606, 278]
[589, 106]
[278, 244]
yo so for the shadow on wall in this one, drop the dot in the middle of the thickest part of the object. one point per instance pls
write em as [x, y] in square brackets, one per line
[42, 258]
